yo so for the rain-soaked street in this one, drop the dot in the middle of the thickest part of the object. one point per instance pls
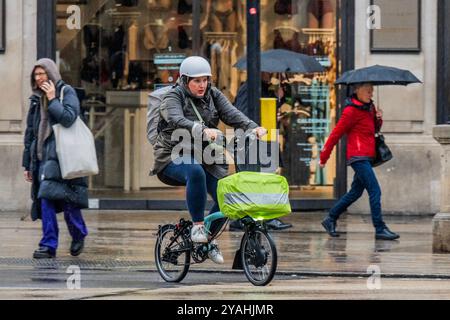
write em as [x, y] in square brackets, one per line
[118, 262]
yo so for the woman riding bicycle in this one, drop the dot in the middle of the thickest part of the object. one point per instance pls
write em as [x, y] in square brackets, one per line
[195, 105]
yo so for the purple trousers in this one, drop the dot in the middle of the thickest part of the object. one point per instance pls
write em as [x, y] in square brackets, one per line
[74, 219]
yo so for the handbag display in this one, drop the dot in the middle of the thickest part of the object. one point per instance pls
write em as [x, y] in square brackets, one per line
[382, 152]
[75, 148]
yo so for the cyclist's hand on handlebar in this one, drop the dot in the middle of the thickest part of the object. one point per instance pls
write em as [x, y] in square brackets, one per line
[211, 134]
[260, 132]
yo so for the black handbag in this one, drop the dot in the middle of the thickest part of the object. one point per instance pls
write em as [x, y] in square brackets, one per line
[382, 152]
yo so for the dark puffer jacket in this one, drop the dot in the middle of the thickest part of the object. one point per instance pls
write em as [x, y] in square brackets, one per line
[47, 180]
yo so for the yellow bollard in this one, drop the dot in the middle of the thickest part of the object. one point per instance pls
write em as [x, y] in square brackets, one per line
[269, 118]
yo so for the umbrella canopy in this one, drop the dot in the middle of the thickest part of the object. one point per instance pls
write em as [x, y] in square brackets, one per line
[379, 76]
[279, 60]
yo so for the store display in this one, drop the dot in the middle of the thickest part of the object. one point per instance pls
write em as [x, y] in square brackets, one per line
[184, 6]
[133, 41]
[159, 4]
[156, 36]
[184, 41]
[286, 7]
[90, 69]
[135, 75]
[128, 3]
[292, 34]
[321, 14]
[294, 43]
[92, 36]
[305, 128]
[138, 46]
[278, 42]
[221, 49]
[167, 65]
[300, 149]
[117, 41]
[234, 77]
[117, 67]
[222, 16]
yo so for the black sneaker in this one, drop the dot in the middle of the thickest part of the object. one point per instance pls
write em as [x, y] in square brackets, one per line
[330, 227]
[76, 248]
[44, 253]
[386, 234]
[277, 224]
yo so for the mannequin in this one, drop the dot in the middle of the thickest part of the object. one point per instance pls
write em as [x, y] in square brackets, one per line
[158, 28]
[294, 43]
[223, 17]
[184, 6]
[285, 7]
[133, 41]
[287, 37]
[320, 14]
[151, 4]
[184, 41]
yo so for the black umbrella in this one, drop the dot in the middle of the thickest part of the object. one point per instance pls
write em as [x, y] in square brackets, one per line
[278, 60]
[378, 76]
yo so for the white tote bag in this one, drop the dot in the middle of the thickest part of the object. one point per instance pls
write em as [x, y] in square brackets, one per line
[75, 147]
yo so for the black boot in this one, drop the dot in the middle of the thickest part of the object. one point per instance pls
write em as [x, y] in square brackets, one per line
[386, 234]
[277, 224]
[330, 227]
[44, 253]
[76, 248]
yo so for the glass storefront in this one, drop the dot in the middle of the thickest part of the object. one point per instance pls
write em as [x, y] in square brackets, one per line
[128, 48]
[308, 110]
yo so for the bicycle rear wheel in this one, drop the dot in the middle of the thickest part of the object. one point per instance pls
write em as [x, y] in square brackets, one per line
[172, 254]
[259, 257]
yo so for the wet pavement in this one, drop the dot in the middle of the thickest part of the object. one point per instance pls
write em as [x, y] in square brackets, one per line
[118, 261]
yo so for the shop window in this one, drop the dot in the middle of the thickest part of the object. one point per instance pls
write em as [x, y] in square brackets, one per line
[126, 48]
[123, 50]
[307, 106]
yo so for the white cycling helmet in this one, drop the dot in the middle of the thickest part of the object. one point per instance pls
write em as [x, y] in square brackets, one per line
[194, 67]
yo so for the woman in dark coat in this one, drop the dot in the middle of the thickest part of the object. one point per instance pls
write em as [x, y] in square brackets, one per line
[50, 193]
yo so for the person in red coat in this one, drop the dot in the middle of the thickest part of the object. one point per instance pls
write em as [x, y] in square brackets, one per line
[359, 121]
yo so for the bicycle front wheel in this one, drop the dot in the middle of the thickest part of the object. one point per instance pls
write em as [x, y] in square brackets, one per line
[172, 254]
[259, 257]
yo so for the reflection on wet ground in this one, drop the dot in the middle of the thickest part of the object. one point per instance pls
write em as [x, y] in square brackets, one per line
[125, 240]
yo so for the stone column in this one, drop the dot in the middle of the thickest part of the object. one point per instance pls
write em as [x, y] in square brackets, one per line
[441, 222]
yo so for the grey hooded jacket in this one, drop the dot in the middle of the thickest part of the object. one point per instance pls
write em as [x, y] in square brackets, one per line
[45, 170]
[177, 113]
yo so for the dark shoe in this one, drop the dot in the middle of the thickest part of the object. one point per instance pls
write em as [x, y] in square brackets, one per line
[277, 224]
[330, 227]
[236, 225]
[44, 253]
[386, 234]
[76, 248]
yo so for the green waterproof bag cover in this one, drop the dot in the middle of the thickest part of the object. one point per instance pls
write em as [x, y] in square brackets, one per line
[262, 196]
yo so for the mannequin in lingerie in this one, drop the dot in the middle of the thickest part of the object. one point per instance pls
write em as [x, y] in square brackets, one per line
[223, 17]
[320, 14]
